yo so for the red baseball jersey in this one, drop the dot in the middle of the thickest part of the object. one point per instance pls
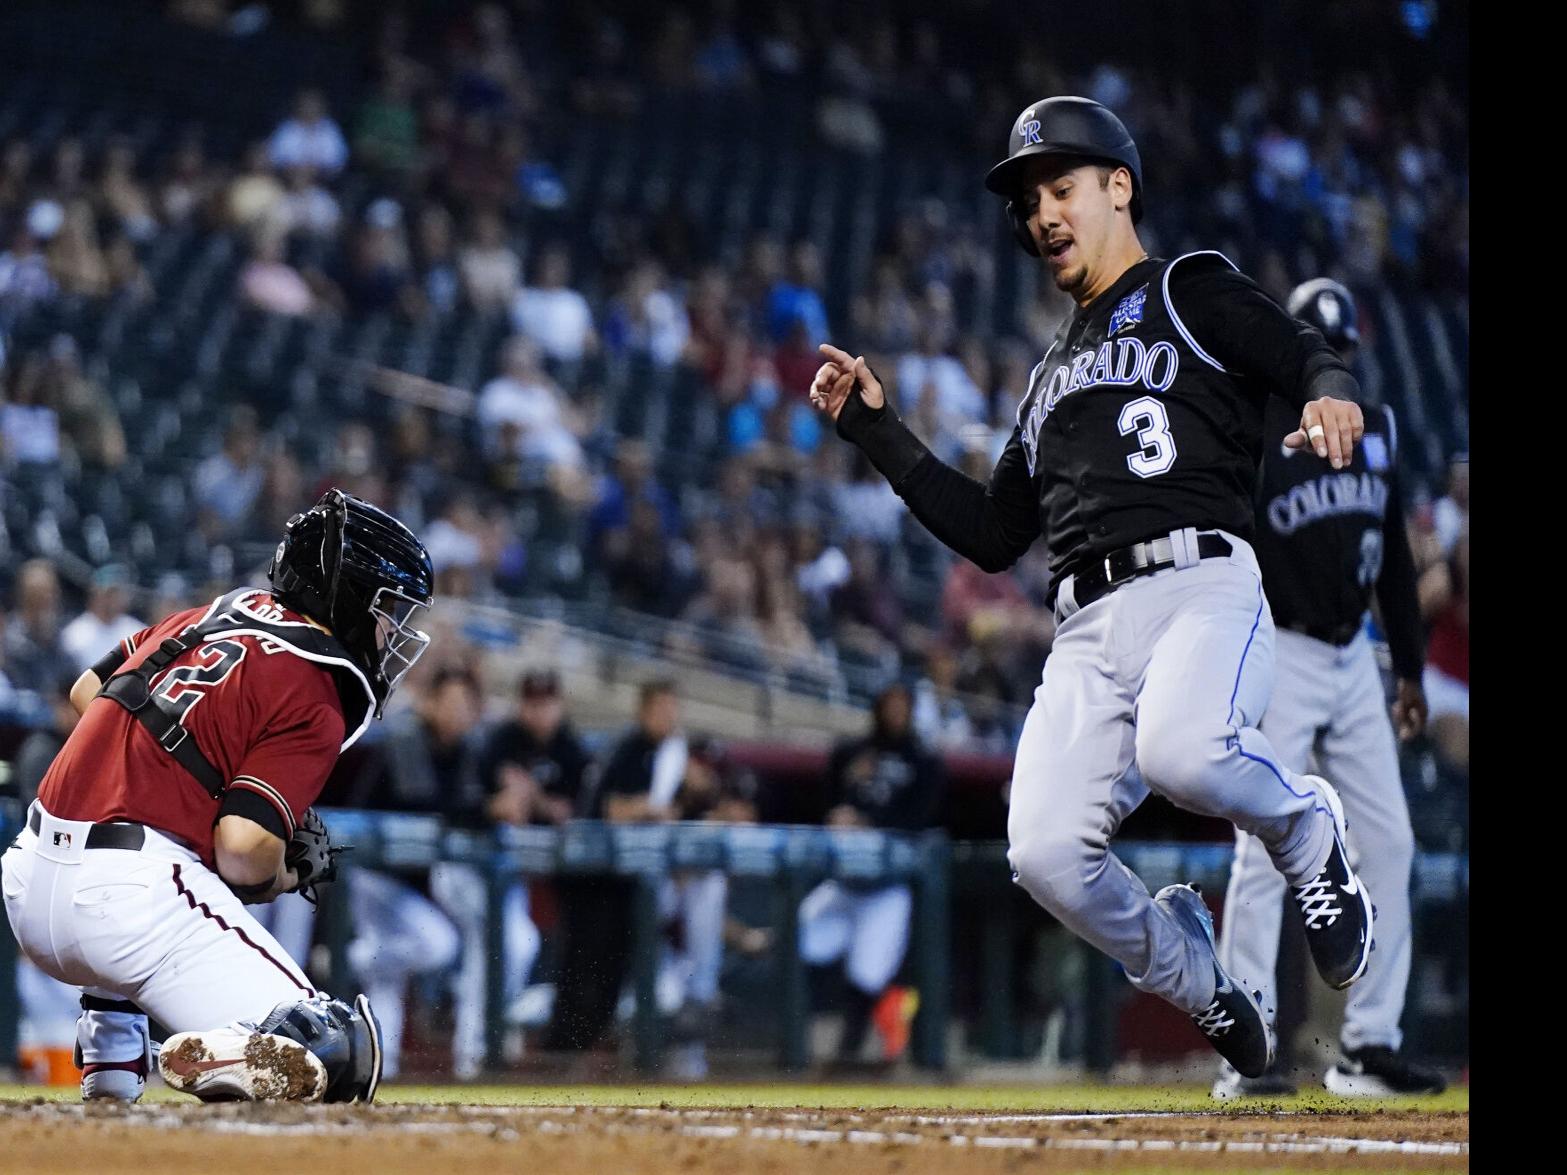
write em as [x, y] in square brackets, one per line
[269, 716]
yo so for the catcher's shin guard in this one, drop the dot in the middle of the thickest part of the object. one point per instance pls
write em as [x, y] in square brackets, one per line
[346, 1040]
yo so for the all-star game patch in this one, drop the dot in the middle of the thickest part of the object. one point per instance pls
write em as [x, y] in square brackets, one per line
[1129, 313]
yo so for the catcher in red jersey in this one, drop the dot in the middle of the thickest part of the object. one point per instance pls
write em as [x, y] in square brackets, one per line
[184, 795]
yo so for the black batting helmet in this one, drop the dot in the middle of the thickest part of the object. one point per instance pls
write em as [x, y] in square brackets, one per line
[1329, 307]
[1064, 126]
[364, 575]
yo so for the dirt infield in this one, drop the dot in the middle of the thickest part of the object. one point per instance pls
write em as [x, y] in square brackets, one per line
[639, 1140]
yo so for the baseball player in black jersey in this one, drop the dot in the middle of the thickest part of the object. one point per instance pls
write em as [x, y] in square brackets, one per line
[1326, 540]
[1134, 456]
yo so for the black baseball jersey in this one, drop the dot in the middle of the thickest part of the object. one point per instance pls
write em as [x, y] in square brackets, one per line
[558, 765]
[891, 782]
[1327, 538]
[1145, 416]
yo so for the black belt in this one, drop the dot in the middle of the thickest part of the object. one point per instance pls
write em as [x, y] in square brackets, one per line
[102, 836]
[1098, 577]
[1337, 634]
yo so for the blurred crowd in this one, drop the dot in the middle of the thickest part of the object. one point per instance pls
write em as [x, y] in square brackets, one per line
[434, 195]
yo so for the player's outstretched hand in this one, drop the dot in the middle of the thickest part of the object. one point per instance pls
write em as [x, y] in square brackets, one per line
[1331, 427]
[1409, 709]
[841, 374]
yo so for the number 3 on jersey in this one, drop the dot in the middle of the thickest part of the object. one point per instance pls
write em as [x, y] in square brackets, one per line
[185, 685]
[1147, 418]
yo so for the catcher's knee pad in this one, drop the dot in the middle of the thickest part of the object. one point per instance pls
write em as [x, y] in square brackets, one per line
[346, 1040]
[113, 1049]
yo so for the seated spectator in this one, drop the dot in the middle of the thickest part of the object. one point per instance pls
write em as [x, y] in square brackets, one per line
[386, 128]
[127, 277]
[29, 423]
[796, 299]
[630, 480]
[489, 268]
[75, 257]
[868, 619]
[527, 400]
[187, 185]
[34, 659]
[1444, 601]
[310, 139]
[104, 622]
[886, 779]
[647, 319]
[24, 272]
[228, 482]
[428, 762]
[436, 261]
[375, 276]
[551, 313]
[307, 208]
[255, 196]
[122, 196]
[268, 282]
[89, 423]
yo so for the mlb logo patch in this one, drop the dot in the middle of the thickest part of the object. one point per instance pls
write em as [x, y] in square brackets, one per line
[1129, 313]
[62, 840]
[1375, 448]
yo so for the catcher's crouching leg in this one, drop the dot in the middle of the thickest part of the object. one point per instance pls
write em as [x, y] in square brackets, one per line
[113, 1049]
[308, 1050]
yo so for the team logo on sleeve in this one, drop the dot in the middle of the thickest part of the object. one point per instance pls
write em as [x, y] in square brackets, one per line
[1129, 313]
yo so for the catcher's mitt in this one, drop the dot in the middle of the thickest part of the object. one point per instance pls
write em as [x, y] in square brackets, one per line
[312, 855]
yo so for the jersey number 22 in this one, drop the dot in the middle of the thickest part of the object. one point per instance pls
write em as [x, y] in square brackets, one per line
[1147, 418]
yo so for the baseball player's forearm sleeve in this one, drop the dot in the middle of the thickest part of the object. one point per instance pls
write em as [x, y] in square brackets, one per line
[992, 526]
[1398, 597]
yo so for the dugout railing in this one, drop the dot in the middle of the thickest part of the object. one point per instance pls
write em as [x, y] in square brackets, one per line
[789, 860]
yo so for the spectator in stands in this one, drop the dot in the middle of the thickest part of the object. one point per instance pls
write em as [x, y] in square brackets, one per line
[227, 483]
[428, 762]
[535, 769]
[1444, 601]
[29, 424]
[255, 197]
[122, 197]
[386, 128]
[522, 414]
[75, 257]
[489, 269]
[24, 273]
[647, 318]
[722, 62]
[88, 421]
[797, 299]
[33, 657]
[886, 779]
[375, 276]
[631, 480]
[104, 622]
[868, 619]
[436, 261]
[188, 185]
[1450, 513]
[43, 743]
[268, 282]
[551, 313]
[310, 139]
[308, 209]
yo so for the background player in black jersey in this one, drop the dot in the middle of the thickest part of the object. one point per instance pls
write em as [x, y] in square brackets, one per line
[1135, 457]
[1326, 541]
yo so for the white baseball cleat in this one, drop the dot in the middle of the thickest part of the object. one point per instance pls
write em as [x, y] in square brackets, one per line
[241, 1065]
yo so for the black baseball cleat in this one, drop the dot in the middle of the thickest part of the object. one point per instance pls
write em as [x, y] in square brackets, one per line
[1335, 906]
[1378, 1071]
[1233, 1022]
[1230, 1085]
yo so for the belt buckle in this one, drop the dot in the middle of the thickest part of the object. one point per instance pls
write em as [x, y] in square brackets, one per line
[1109, 575]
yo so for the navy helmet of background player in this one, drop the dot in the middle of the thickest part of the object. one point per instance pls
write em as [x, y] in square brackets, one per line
[1135, 458]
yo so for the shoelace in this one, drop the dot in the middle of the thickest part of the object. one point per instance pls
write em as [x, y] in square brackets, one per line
[1318, 901]
[1215, 1021]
